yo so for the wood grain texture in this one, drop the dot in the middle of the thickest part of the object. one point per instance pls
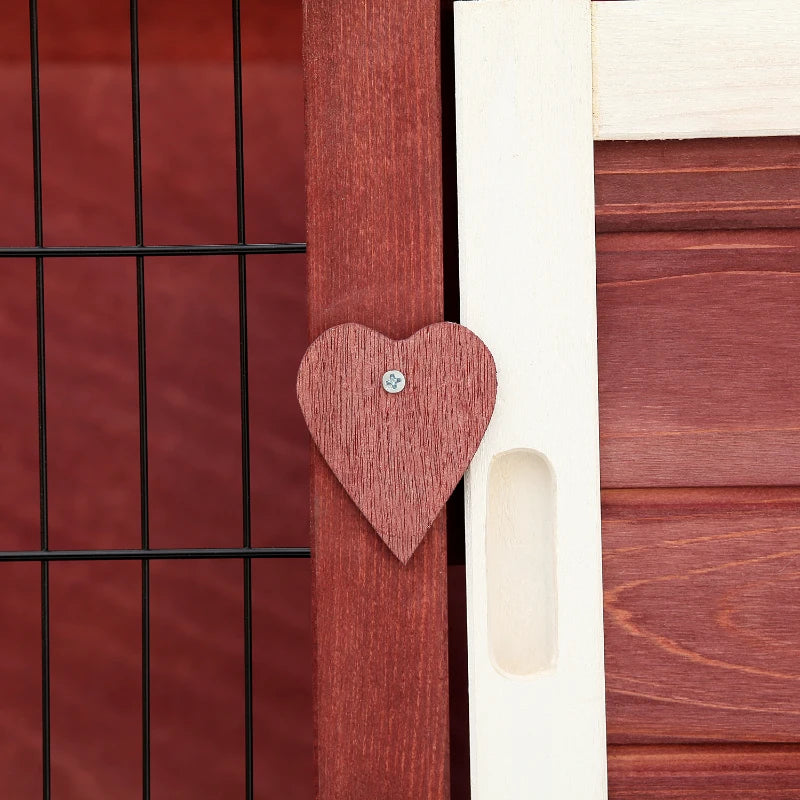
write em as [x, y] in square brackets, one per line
[725, 772]
[702, 640]
[375, 257]
[663, 69]
[532, 504]
[699, 337]
[398, 455]
[697, 184]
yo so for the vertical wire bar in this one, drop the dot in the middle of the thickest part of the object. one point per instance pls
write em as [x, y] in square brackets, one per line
[241, 239]
[245, 398]
[141, 332]
[41, 373]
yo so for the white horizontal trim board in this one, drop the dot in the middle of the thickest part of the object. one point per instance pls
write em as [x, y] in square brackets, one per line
[677, 69]
[527, 272]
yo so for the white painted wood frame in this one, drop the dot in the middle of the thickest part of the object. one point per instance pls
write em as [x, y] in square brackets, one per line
[675, 69]
[527, 272]
[536, 80]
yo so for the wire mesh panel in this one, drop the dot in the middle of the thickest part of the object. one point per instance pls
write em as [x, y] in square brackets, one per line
[46, 257]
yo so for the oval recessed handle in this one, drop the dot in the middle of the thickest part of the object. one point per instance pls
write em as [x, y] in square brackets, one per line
[521, 563]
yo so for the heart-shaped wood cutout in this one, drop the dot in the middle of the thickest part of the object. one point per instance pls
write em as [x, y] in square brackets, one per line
[400, 449]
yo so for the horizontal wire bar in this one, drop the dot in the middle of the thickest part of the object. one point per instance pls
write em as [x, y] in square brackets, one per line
[154, 554]
[115, 251]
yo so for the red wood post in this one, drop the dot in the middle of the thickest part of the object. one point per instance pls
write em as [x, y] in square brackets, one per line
[374, 209]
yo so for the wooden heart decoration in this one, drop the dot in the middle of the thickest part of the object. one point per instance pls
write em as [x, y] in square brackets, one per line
[398, 421]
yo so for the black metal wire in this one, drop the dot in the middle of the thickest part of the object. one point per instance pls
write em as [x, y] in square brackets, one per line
[153, 554]
[41, 374]
[141, 335]
[154, 250]
[242, 273]
[241, 230]
[139, 251]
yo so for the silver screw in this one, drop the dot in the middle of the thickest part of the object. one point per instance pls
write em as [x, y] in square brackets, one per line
[394, 381]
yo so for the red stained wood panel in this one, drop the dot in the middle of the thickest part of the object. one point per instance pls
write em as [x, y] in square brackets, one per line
[702, 639]
[699, 338]
[698, 289]
[697, 184]
[374, 166]
[733, 772]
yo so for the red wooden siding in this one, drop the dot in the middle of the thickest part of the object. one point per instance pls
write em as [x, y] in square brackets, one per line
[698, 298]
[698, 184]
[702, 644]
[728, 772]
[698, 351]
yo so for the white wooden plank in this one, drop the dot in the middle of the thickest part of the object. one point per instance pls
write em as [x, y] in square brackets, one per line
[526, 222]
[672, 69]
